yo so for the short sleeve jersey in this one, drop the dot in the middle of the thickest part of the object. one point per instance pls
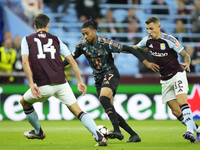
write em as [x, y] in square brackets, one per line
[164, 51]
[44, 50]
[98, 55]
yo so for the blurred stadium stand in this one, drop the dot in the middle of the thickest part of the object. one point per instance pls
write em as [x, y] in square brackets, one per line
[126, 64]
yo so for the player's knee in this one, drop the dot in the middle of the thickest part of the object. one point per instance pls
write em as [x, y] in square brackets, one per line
[25, 104]
[104, 100]
[75, 109]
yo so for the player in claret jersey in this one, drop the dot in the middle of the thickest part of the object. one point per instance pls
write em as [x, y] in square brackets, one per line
[98, 51]
[43, 51]
[164, 49]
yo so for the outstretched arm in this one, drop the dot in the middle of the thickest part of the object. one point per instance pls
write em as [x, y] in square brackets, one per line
[132, 50]
[187, 60]
[81, 86]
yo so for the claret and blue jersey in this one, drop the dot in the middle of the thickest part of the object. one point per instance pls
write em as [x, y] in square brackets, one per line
[44, 50]
[164, 51]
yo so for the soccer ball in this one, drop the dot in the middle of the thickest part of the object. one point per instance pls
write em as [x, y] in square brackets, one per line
[103, 130]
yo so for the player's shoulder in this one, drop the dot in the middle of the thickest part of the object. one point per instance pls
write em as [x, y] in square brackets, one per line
[146, 38]
[30, 36]
[51, 35]
[168, 37]
[80, 43]
[103, 40]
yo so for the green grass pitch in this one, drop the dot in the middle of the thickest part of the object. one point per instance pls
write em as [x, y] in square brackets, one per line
[72, 135]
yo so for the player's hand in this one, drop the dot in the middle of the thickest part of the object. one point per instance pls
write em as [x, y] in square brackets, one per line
[154, 67]
[82, 88]
[151, 66]
[186, 66]
[35, 91]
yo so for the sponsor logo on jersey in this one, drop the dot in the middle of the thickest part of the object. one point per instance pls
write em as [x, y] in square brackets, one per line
[158, 54]
[177, 44]
[162, 46]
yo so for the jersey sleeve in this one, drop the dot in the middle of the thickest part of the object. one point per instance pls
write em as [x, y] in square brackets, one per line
[142, 43]
[24, 47]
[77, 51]
[64, 51]
[175, 45]
[115, 47]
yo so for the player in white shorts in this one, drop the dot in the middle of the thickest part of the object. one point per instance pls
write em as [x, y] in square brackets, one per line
[164, 49]
[44, 70]
[66, 96]
[171, 88]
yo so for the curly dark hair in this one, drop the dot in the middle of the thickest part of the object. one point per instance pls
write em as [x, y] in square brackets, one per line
[91, 23]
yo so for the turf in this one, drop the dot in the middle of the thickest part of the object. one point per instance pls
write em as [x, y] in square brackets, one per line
[72, 135]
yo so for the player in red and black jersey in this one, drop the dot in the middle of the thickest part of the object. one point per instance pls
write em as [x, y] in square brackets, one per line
[98, 51]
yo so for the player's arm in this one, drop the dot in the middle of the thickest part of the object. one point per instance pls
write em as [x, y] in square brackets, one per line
[135, 47]
[128, 49]
[75, 54]
[187, 60]
[81, 86]
[34, 89]
[65, 62]
[25, 63]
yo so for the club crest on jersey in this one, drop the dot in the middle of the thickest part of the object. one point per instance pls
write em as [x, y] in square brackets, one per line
[162, 46]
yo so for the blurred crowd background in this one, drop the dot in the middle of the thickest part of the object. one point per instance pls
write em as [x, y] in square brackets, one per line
[120, 20]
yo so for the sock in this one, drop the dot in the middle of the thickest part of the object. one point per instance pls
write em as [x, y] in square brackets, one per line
[181, 119]
[188, 118]
[195, 126]
[125, 126]
[89, 123]
[32, 118]
[198, 130]
[110, 111]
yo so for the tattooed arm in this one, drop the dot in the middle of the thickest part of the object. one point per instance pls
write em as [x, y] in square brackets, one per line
[187, 60]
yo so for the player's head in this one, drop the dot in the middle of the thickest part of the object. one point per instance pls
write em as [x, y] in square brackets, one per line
[153, 27]
[89, 29]
[41, 21]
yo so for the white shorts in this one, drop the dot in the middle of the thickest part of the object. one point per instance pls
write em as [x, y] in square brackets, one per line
[63, 92]
[178, 84]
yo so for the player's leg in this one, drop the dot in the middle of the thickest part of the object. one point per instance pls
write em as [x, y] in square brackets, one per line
[66, 96]
[174, 106]
[32, 117]
[122, 123]
[89, 123]
[105, 101]
[106, 88]
[187, 115]
[181, 89]
[105, 95]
